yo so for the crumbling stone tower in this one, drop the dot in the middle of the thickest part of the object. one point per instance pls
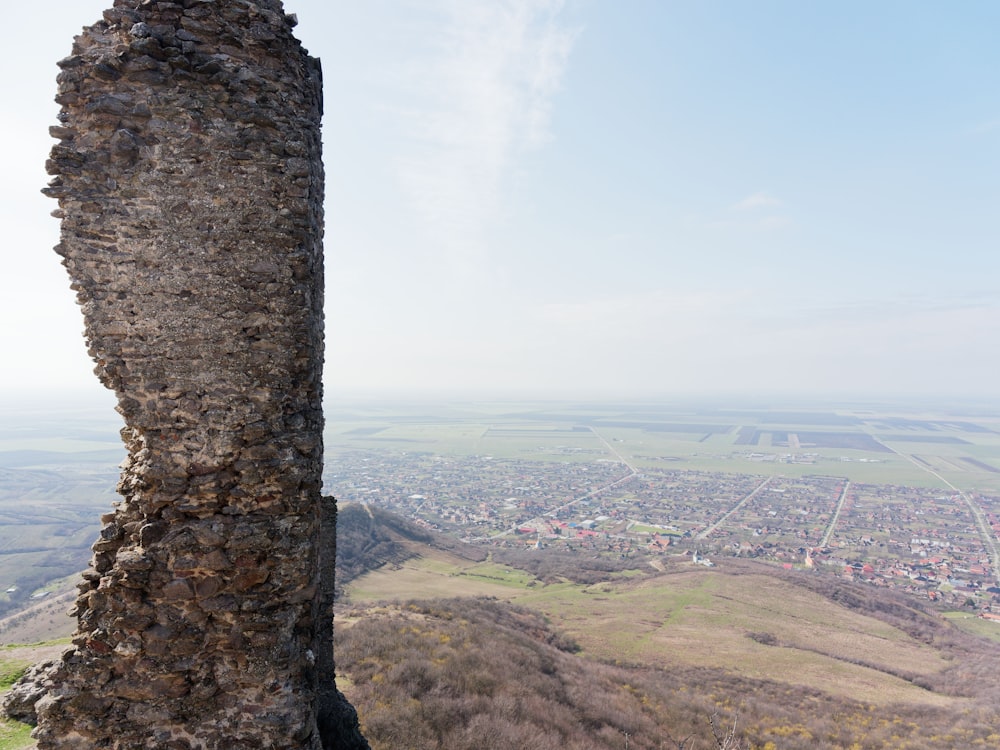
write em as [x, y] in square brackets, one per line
[190, 187]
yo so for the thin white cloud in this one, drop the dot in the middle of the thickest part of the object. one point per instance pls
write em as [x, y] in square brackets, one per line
[483, 96]
[757, 212]
[757, 201]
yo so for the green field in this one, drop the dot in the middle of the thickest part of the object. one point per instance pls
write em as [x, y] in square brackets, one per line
[14, 735]
[975, 625]
[13, 661]
[874, 445]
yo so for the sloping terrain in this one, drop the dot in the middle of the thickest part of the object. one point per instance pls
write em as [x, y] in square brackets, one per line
[441, 645]
[478, 674]
[370, 538]
[805, 660]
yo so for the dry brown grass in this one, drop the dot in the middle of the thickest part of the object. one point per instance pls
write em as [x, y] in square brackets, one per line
[703, 618]
[45, 621]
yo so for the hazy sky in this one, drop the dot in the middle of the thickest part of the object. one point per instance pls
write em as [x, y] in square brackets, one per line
[627, 198]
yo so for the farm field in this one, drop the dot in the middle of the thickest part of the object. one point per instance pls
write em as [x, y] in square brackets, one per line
[627, 478]
[886, 445]
[58, 471]
[902, 499]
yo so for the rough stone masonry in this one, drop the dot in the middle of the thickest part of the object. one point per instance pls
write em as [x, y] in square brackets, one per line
[190, 185]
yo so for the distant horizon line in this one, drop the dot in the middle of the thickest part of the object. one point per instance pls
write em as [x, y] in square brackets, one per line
[98, 397]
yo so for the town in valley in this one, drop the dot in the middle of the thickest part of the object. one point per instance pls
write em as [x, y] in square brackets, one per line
[909, 503]
[900, 498]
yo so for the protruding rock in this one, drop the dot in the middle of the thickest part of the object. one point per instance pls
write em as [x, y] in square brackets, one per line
[189, 137]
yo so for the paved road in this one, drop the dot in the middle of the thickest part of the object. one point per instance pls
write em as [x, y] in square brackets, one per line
[632, 473]
[836, 515]
[985, 532]
[735, 508]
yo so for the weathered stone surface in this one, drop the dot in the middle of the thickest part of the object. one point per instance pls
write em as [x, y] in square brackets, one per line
[20, 702]
[189, 180]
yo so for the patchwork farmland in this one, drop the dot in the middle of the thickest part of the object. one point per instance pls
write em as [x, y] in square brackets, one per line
[897, 501]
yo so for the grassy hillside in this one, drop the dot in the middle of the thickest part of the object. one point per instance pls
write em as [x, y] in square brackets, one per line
[806, 661]
[739, 619]
[13, 661]
[441, 645]
[479, 674]
[369, 538]
[15, 736]
[45, 619]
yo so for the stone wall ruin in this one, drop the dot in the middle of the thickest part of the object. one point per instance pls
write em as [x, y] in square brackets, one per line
[190, 186]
